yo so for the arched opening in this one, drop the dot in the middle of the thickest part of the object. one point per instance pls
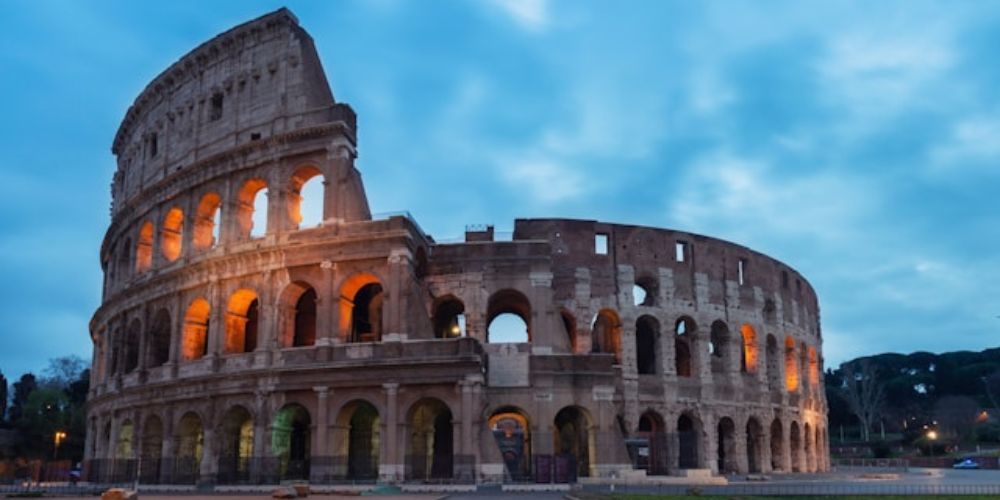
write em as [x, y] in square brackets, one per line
[644, 291]
[773, 366]
[360, 421]
[189, 443]
[361, 301]
[298, 315]
[429, 451]
[116, 352]
[748, 361]
[795, 444]
[151, 450]
[449, 318]
[803, 362]
[158, 350]
[814, 368]
[791, 366]
[647, 345]
[569, 328]
[653, 456]
[512, 432]
[290, 441]
[508, 317]
[807, 450]
[251, 210]
[726, 449]
[755, 445]
[194, 341]
[688, 429]
[572, 444]
[235, 445]
[305, 199]
[124, 448]
[606, 333]
[123, 258]
[242, 321]
[132, 336]
[777, 446]
[171, 237]
[820, 448]
[718, 346]
[144, 248]
[684, 331]
[206, 222]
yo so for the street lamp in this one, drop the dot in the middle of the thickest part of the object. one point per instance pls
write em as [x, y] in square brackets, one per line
[932, 435]
[58, 438]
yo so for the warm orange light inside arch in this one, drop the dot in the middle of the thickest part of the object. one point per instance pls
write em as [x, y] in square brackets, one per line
[237, 321]
[144, 248]
[813, 367]
[299, 179]
[791, 366]
[204, 224]
[346, 302]
[245, 208]
[750, 353]
[194, 340]
[606, 333]
[171, 238]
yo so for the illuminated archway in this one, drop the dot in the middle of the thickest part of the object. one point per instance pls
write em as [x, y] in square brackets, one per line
[298, 308]
[144, 248]
[573, 441]
[194, 341]
[512, 432]
[361, 300]
[430, 446]
[235, 445]
[206, 222]
[647, 344]
[251, 210]
[358, 443]
[172, 234]
[791, 366]
[305, 197]
[290, 441]
[189, 445]
[606, 333]
[748, 362]
[158, 347]
[242, 321]
[449, 317]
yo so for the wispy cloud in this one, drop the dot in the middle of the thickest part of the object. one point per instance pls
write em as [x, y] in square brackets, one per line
[974, 142]
[532, 15]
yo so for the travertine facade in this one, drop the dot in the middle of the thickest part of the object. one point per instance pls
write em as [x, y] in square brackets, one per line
[358, 350]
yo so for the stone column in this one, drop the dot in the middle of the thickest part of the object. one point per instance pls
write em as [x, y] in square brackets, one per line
[326, 328]
[321, 451]
[786, 446]
[465, 462]
[741, 449]
[392, 467]
[395, 296]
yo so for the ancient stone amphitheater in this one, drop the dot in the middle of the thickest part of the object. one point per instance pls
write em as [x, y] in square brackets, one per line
[235, 345]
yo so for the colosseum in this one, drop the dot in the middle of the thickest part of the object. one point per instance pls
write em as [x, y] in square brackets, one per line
[238, 344]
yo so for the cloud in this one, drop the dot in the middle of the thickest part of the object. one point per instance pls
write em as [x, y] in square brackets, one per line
[974, 142]
[531, 15]
[546, 180]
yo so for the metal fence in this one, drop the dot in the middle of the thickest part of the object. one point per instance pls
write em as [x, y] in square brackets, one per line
[806, 489]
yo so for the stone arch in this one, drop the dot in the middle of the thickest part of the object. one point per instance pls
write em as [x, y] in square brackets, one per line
[430, 447]
[449, 317]
[236, 436]
[644, 291]
[132, 341]
[125, 447]
[508, 302]
[246, 207]
[777, 445]
[206, 221]
[298, 310]
[647, 344]
[606, 333]
[291, 441]
[685, 330]
[814, 368]
[158, 343]
[144, 248]
[773, 364]
[795, 445]
[124, 254]
[719, 339]
[194, 340]
[302, 180]
[791, 366]
[242, 321]
[361, 300]
[726, 446]
[689, 431]
[803, 362]
[748, 359]
[511, 429]
[755, 446]
[189, 445]
[574, 440]
[151, 450]
[172, 234]
[654, 431]
[808, 450]
[358, 424]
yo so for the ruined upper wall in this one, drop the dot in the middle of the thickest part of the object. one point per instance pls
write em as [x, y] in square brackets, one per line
[258, 80]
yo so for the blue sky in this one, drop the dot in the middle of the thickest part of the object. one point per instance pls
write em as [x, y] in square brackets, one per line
[857, 142]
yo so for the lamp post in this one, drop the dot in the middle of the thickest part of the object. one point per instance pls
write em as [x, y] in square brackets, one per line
[932, 435]
[58, 438]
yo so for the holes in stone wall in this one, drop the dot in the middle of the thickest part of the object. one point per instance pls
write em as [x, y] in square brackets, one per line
[171, 238]
[601, 244]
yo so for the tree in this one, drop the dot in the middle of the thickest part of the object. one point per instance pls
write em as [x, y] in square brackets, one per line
[63, 371]
[43, 414]
[3, 397]
[955, 417]
[864, 392]
[992, 383]
[22, 390]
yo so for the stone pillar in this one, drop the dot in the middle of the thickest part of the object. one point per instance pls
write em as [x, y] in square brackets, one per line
[741, 449]
[765, 449]
[395, 301]
[465, 461]
[321, 450]
[392, 467]
[786, 446]
[167, 449]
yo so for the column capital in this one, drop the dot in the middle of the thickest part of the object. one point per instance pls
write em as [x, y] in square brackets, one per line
[391, 387]
[321, 390]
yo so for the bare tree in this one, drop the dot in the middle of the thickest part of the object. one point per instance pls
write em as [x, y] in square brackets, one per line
[864, 393]
[955, 416]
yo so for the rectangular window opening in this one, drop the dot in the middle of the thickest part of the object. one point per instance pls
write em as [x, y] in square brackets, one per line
[153, 146]
[601, 244]
[216, 112]
[680, 251]
[741, 271]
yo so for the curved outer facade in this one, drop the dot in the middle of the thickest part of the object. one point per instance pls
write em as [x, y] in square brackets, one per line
[359, 349]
